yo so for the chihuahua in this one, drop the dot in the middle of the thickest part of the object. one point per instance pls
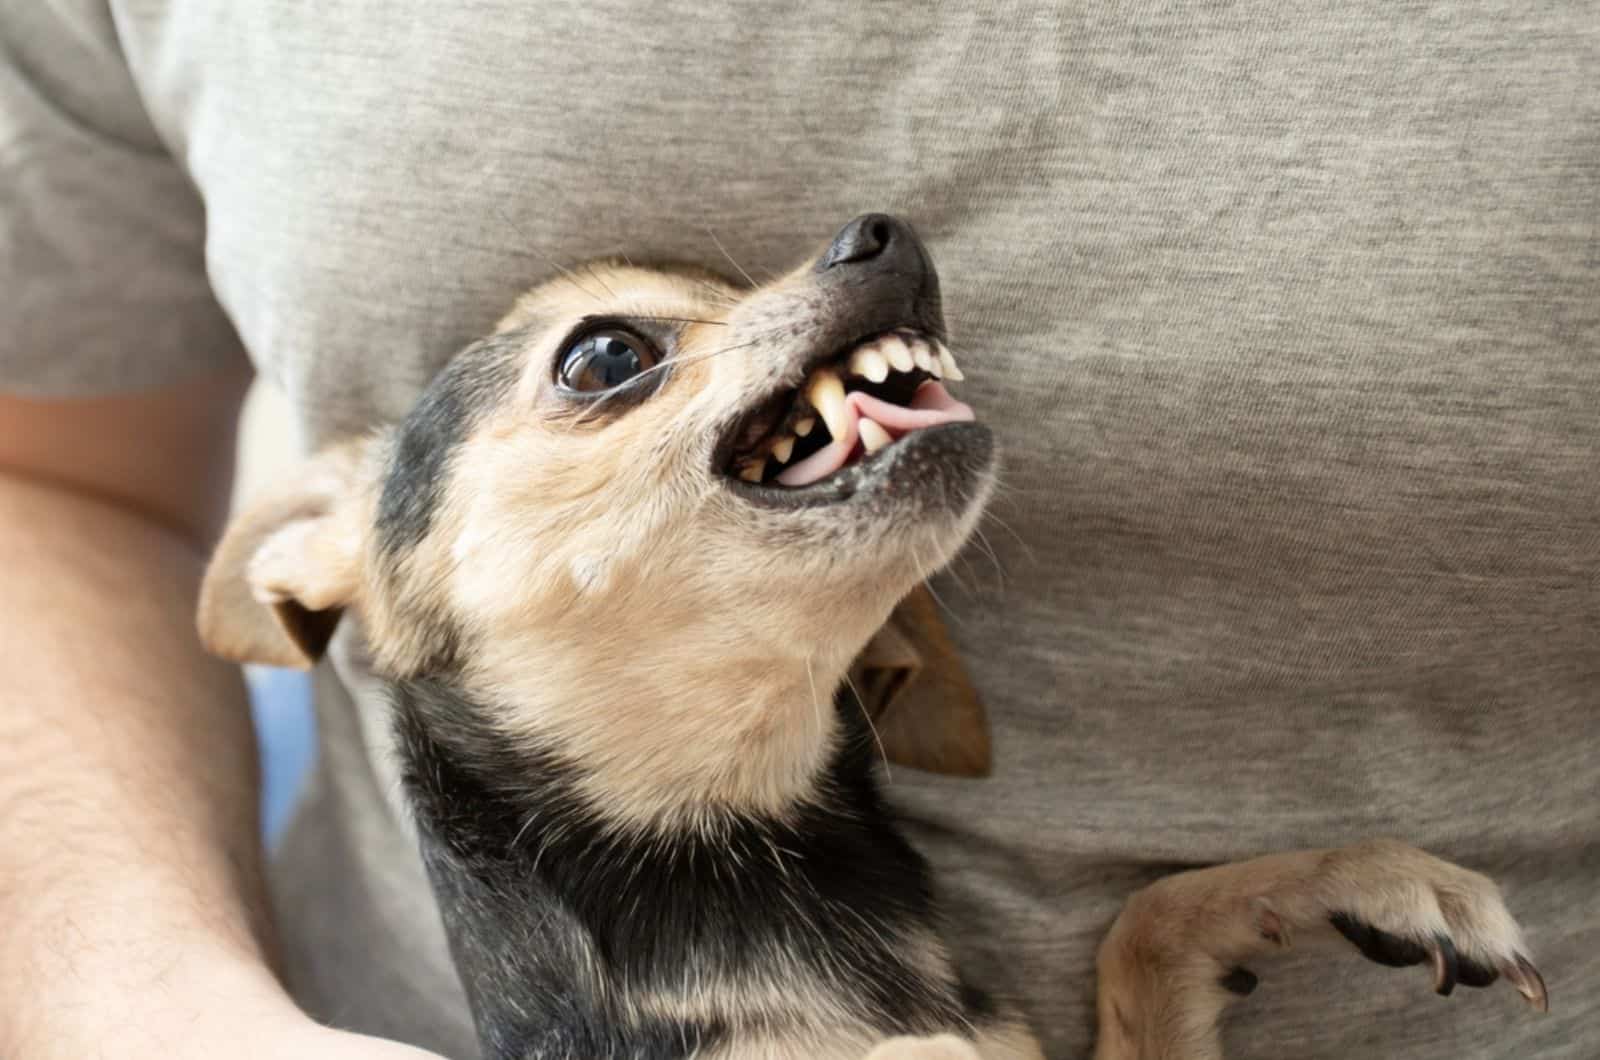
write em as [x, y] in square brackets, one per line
[616, 568]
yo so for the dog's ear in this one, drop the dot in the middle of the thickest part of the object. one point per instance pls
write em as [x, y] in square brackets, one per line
[916, 690]
[289, 564]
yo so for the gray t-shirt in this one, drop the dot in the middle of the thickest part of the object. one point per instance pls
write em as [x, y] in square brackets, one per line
[1287, 316]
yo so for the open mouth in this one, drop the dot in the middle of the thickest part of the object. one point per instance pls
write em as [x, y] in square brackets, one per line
[849, 408]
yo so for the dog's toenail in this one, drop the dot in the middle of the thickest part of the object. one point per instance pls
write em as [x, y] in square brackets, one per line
[1444, 965]
[1529, 983]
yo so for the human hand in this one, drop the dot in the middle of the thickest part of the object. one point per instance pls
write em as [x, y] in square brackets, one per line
[208, 1011]
[304, 1040]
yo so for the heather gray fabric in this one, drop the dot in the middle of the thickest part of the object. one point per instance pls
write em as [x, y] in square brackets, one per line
[1289, 321]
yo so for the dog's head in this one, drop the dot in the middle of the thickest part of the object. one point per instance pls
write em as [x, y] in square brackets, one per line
[651, 500]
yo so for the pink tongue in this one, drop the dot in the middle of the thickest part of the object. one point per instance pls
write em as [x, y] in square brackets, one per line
[930, 406]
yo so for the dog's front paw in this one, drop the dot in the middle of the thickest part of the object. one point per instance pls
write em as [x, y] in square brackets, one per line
[942, 1047]
[1400, 906]
[1175, 958]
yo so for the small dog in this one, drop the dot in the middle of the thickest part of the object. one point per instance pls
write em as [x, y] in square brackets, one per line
[615, 567]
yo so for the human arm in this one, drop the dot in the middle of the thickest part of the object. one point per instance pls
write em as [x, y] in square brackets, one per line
[130, 868]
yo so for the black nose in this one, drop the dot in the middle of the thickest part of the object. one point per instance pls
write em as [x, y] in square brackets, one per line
[870, 237]
[877, 276]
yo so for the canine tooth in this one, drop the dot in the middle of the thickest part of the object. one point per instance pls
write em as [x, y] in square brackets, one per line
[752, 470]
[802, 427]
[783, 448]
[825, 391]
[920, 354]
[869, 362]
[873, 437]
[899, 354]
[948, 364]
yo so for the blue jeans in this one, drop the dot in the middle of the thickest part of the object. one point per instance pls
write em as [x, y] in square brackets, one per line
[286, 733]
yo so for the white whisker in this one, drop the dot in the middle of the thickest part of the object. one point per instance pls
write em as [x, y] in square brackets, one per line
[861, 705]
[816, 707]
[988, 549]
[1002, 524]
[571, 276]
[596, 405]
[747, 277]
[605, 286]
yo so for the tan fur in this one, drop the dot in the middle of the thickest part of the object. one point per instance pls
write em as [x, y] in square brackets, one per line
[1002, 1042]
[821, 1028]
[295, 552]
[556, 519]
[1006, 1041]
[589, 519]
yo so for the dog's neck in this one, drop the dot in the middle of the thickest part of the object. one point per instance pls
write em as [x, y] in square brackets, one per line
[671, 730]
[583, 935]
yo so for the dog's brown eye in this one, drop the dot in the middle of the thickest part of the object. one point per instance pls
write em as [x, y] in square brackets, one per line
[603, 360]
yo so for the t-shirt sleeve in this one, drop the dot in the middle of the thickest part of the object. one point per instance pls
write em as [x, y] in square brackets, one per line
[103, 284]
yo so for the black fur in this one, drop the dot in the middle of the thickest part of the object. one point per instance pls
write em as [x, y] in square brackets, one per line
[553, 915]
[417, 467]
[428, 438]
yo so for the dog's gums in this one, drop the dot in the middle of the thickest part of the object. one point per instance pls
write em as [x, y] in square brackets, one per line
[856, 404]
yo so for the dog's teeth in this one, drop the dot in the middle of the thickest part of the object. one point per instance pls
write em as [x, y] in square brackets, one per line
[825, 392]
[752, 470]
[922, 358]
[898, 353]
[873, 437]
[948, 364]
[802, 427]
[783, 448]
[869, 362]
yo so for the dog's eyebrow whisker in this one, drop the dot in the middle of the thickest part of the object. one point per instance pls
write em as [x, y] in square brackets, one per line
[572, 278]
[747, 277]
[529, 250]
[597, 279]
[566, 274]
[714, 294]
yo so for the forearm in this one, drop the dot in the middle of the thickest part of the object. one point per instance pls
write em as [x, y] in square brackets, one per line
[130, 879]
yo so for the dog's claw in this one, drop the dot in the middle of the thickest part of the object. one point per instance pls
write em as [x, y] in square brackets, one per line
[1529, 983]
[1449, 967]
[1444, 965]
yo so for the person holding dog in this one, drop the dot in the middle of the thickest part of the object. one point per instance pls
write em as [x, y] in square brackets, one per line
[1284, 317]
